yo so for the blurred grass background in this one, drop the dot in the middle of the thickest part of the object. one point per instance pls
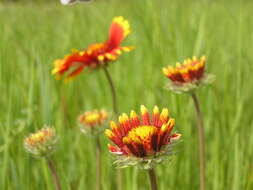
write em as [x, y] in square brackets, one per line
[33, 35]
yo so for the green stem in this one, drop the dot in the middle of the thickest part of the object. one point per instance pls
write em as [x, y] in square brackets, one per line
[152, 178]
[201, 132]
[115, 110]
[55, 176]
[113, 91]
[98, 164]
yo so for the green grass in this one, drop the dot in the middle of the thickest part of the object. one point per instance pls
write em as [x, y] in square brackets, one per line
[32, 36]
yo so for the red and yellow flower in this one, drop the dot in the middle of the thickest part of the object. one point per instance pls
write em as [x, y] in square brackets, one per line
[189, 75]
[192, 70]
[143, 140]
[90, 120]
[41, 143]
[96, 54]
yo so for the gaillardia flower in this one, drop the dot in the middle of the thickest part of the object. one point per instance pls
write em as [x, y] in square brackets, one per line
[91, 121]
[41, 143]
[189, 75]
[146, 141]
[96, 54]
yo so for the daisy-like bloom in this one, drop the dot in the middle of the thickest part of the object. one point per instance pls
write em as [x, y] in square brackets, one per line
[96, 54]
[188, 75]
[41, 143]
[146, 141]
[91, 121]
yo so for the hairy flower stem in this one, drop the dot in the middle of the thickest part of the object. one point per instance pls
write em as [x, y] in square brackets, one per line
[200, 125]
[152, 177]
[55, 176]
[98, 163]
[113, 91]
[115, 110]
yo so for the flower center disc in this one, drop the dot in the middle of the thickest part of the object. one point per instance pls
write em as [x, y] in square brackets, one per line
[92, 118]
[140, 134]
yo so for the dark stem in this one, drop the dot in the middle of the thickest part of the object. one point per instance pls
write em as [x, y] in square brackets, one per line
[200, 125]
[113, 91]
[98, 163]
[55, 176]
[152, 177]
[115, 110]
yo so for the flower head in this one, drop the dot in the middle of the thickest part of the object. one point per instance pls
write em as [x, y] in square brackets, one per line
[91, 121]
[144, 141]
[188, 75]
[41, 143]
[96, 54]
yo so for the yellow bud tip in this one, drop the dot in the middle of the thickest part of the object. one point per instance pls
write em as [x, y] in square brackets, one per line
[120, 119]
[108, 55]
[124, 117]
[183, 71]
[133, 114]
[144, 110]
[194, 58]
[100, 57]
[164, 127]
[118, 52]
[165, 71]
[171, 122]
[57, 62]
[178, 64]
[156, 110]
[54, 71]
[127, 49]
[82, 53]
[108, 133]
[118, 18]
[170, 69]
[113, 125]
[165, 112]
